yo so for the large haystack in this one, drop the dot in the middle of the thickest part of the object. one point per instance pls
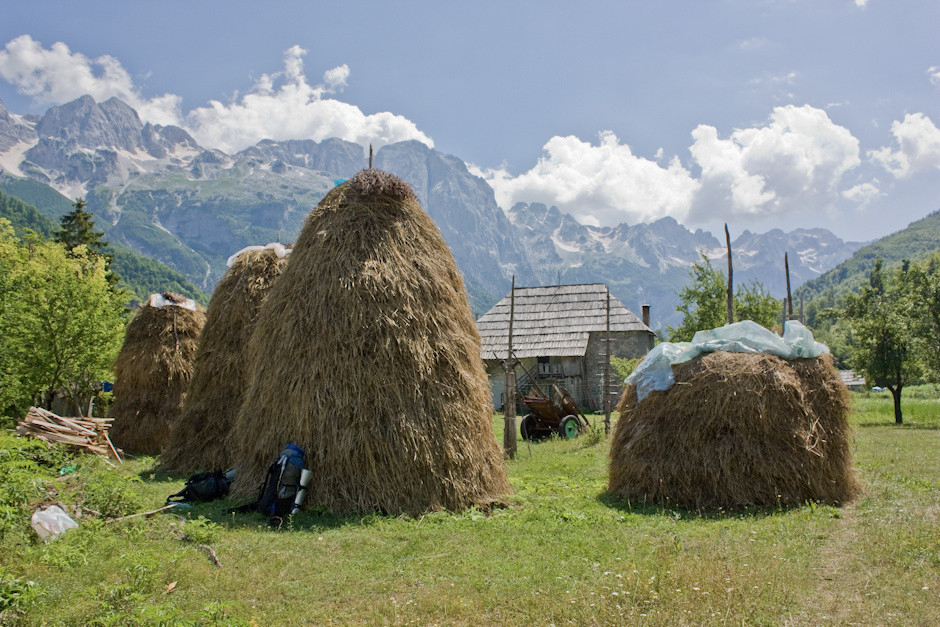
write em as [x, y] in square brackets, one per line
[366, 355]
[737, 430]
[152, 372]
[220, 373]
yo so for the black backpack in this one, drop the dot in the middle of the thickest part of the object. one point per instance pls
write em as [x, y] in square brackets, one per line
[204, 486]
[281, 484]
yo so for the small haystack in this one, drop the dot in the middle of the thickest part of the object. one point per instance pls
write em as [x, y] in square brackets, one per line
[152, 372]
[366, 355]
[737, 430]
[220, 373]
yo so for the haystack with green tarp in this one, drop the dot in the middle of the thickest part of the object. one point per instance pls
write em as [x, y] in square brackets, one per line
[152, 372]
[366, 355]
[198, 439]
[723, 429]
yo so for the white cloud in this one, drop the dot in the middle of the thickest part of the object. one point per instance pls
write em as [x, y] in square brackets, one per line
[602, 184]
[918, 147]
[58, 75]
[753, 43]
[862, 193]
[284, 106]
[793, 164]
[279, 106]
[933, 72]
[861, 3]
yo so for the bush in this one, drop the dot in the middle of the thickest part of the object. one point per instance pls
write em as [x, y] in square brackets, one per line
[111, 494]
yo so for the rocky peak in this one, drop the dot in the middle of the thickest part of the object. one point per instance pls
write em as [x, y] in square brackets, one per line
[13, 130]
[334, 156]
[86, 124]
[159, 141]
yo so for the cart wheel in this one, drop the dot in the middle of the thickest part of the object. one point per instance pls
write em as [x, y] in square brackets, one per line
[526, 427]
[569, 427]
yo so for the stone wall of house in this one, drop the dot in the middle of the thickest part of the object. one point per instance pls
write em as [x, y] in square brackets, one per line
[582, 377]
[624, 344]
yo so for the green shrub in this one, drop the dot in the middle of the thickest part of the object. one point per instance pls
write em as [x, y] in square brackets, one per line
[111, 494]
[200, 530]
[623, 366]
[16, 595]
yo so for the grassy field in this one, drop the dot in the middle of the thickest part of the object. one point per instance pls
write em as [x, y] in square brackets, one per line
[561, 553]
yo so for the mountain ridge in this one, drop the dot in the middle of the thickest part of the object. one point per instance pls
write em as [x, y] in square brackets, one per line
[155, 190]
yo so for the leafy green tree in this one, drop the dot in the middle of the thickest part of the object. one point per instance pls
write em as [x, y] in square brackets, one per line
[704, 302]
[753, 302]
[883, 344]
[10, 388]
[63, 322]
[925, 282]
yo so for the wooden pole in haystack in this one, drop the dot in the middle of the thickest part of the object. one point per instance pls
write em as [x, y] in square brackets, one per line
[370, 156]
[786, 267]
[509, 406]
[607, 373]
[730, 282]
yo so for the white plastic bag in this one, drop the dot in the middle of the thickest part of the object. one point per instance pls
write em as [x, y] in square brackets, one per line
[51, 521]
[655, 371]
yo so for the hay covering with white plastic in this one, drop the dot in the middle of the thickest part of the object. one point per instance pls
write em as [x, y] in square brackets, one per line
[152, 372]
[736, 430]
[366, 355]
[220, 372]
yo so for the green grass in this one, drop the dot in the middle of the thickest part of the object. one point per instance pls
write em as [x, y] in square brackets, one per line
[562, 552]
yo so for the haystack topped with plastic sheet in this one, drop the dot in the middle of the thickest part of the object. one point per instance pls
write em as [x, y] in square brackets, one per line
[738, 417]
[152, 372]
[198, 439]
[366, 356]
[655, 371]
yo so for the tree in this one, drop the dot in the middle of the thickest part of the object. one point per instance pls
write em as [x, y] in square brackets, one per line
[10, 388]
[703, 302]
[925, 282]
[754, 302]
[880, 317]
[77, 228]
[63, 322]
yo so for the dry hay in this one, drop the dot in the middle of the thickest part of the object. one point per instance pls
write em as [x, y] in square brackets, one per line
[737, 430]
[366, 355]
[152, 372]
[220, 372]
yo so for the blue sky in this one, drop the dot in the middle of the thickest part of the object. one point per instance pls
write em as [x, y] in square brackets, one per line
[761, 113]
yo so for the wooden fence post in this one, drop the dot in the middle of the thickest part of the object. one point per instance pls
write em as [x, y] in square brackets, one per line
[509, 405]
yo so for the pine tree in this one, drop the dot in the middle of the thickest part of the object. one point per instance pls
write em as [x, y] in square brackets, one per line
[77, 228]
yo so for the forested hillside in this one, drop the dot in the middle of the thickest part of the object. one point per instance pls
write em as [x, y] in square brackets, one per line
[140, 275]
[915, 243]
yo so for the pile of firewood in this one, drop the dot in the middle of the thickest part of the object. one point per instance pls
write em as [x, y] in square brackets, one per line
[88, 434]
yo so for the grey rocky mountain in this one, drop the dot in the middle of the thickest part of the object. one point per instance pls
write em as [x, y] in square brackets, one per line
[154, 189]
[13, 131]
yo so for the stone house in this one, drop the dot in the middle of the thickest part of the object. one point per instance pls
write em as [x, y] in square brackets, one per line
[559, 336]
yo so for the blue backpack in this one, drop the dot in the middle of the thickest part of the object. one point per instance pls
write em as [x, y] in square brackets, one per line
[282, 483]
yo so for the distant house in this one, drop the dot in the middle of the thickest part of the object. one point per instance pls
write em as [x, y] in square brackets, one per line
[853, 381]
[558, 335]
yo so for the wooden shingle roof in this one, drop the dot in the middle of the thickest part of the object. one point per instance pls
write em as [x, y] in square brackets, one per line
[553, 321]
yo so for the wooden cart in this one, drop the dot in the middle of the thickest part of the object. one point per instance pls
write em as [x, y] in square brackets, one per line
[558, 414]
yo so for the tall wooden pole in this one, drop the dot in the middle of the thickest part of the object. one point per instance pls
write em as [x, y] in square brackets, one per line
[786, 267]
[370, 156]
[509, 405]
[730, 281]
[607, 372]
